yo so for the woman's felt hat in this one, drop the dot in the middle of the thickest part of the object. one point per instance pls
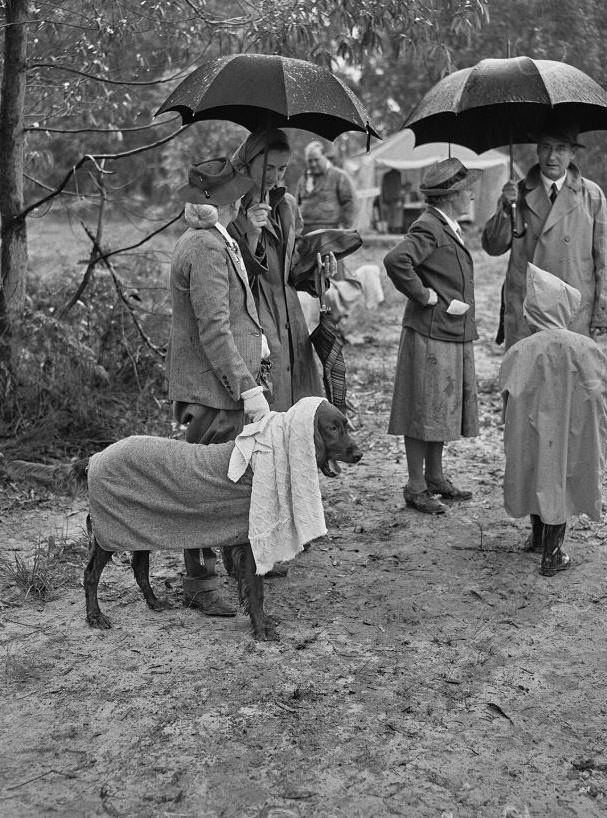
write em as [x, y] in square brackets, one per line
[447, 176]
[215, 182]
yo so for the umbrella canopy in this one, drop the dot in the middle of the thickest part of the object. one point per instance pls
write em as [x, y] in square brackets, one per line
[502, 101]
[261, 90]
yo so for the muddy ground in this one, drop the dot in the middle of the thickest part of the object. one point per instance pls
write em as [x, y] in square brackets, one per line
[425, 668]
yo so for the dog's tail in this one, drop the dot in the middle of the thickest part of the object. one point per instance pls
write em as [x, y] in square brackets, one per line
[79, 473]
[61, 477]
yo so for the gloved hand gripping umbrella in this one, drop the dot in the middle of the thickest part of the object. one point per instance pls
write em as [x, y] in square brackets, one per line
[264, 91]
[506, 101]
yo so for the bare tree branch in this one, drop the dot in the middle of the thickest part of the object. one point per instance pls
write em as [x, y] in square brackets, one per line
[94, 256]
[48, 187]
[97, 256]
[101, 130]
[94, 159]
[104, 79]
[118, 285]
[146, 238]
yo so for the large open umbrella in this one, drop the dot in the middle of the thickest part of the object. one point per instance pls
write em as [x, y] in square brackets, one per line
[503, 101]
[268, 90]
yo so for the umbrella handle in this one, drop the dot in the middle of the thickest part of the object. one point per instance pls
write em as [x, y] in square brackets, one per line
[516, 233]
[262, 195]
[321, 283]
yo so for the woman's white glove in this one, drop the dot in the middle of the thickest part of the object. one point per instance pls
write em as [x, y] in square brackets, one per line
[432, 297]
[256, 406]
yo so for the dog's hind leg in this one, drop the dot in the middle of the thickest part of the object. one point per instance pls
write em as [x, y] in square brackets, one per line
[250, 590]
[98, 559]
[140, 562]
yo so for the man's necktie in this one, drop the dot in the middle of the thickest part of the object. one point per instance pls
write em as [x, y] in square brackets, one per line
[554, 192]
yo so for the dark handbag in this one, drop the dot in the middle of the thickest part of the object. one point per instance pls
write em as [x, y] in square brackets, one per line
[332, 240]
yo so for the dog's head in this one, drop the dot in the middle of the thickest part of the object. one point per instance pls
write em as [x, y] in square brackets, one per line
[332, 440]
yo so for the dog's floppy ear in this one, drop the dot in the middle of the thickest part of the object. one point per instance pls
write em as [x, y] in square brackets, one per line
[319, 443]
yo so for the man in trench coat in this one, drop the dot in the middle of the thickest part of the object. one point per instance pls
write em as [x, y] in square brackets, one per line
[563, 216]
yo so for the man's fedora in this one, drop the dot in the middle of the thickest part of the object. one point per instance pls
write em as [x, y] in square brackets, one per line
[214, 182]
[559, 126]
[560, 133]
[447, 176]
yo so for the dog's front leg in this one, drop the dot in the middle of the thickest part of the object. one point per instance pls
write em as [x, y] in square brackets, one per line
[140, 562]
[250, 589]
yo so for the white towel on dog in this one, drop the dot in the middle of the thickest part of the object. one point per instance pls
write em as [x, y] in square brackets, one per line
[286, 509]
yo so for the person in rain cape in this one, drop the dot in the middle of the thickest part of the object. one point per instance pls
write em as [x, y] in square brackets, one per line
[554, 387]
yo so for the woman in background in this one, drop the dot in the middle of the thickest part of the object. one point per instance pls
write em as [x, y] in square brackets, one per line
[435, 389]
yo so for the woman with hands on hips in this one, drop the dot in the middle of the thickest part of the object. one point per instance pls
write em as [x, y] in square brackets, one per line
[434, 396]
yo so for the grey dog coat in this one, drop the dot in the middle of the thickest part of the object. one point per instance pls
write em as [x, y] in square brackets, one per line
[147, 493]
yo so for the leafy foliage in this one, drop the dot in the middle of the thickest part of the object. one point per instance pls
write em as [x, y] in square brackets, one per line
[96, 76]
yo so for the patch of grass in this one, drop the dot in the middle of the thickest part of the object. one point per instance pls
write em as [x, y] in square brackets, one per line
[51, 567]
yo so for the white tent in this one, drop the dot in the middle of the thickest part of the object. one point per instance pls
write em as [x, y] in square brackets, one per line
[399, 152]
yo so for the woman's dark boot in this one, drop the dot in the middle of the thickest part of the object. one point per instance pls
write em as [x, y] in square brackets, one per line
[202, 593]
[535, 540]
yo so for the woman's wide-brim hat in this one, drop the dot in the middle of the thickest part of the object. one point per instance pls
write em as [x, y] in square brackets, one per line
[448, 176]
[215, 182]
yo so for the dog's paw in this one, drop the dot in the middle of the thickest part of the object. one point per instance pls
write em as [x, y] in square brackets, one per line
[158, 604]
[98, 620]
[269, 632]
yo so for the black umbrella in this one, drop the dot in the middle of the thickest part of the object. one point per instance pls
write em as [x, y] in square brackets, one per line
[503, 101]
[267, 90]
[328, 345]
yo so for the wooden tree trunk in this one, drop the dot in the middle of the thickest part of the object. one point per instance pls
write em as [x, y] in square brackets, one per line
[13, 256]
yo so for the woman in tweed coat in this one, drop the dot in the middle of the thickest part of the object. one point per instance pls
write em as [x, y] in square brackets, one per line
[435, 390]
[216, 343]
